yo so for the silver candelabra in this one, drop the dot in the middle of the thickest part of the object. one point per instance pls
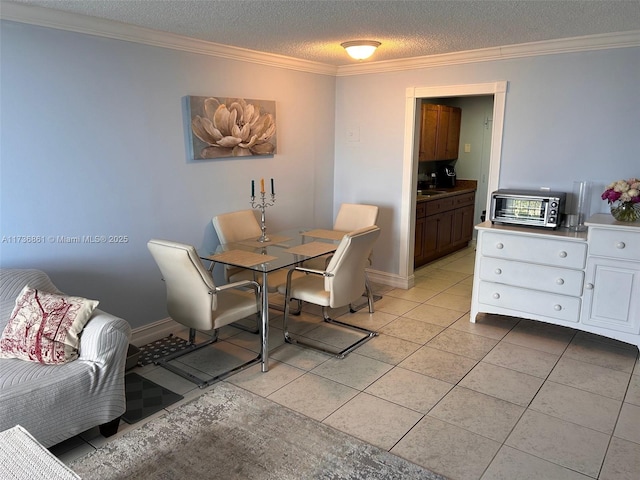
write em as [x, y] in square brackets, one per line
[262, 205]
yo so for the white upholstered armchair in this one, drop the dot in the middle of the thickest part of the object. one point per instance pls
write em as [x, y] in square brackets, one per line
[56, 402]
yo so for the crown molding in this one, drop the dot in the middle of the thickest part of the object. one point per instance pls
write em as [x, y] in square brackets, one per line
[532, 49]
[73, 22]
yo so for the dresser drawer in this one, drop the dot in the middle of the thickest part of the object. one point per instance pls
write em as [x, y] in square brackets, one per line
[620, 244]
[535, 249]
[548, 305]
[527, 275]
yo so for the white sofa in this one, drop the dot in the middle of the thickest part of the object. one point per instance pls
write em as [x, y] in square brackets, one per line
[56, 402]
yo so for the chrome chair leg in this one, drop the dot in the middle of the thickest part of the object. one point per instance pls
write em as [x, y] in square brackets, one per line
[297, 311]
[371, 297]
[202, 383]
[369, 293]
[331, 351]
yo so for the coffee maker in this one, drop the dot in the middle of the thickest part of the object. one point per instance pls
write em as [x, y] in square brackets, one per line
[446, 176]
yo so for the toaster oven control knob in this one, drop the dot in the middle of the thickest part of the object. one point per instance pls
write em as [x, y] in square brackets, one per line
[552, 219]
[554, 204]
[553, 212]
[562, 254]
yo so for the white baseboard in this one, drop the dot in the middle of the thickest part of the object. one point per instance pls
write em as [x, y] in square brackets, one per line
[153, 331]
[391, 279]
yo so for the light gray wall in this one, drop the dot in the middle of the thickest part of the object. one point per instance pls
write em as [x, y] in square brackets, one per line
[568, 117]
[475, 130]
[93, 143]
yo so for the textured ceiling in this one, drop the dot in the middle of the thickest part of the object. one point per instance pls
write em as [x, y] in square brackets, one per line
[313, 29]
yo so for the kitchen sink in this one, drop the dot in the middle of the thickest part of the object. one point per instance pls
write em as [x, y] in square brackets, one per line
[431, 193]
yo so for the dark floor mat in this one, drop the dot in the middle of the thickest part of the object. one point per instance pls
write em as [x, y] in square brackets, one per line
[153, 351]
[145, 398]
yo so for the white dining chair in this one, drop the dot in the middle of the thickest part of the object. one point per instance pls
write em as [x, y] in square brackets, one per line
[243, 225]
[233, 227]
[339, 284]
[194, 301]
[350, 217]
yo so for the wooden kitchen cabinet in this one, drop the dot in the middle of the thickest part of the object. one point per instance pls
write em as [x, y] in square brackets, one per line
[443, 225]
[437, 236]
[439, 132]
[453, 134]
[418, 252]
[462, 231]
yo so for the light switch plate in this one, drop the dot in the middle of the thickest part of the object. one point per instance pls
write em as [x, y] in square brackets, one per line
[353, 134]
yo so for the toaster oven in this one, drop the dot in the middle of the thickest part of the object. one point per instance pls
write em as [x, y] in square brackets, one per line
[532, 208]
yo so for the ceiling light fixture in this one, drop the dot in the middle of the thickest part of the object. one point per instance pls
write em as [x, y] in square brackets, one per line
[360, 49]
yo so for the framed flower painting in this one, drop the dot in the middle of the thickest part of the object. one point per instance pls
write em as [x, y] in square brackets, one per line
[231, 127]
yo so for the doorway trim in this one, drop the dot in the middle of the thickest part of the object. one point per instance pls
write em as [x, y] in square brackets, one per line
[410, 166]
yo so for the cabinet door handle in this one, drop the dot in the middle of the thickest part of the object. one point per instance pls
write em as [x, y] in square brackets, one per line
[620, 245]
[562, 254]
[497, 271]
[560, 281]
[496, 296]
[557, 307]
[499, 246]
[589, 286]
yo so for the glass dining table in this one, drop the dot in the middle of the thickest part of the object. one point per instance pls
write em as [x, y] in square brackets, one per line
[280, 250]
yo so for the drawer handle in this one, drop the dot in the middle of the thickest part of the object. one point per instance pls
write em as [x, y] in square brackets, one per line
[562, 254]
[497, 271]
[589, 286]
[496, 296]
[499, 246]
[560, 281]
[620, 245]
[557, 307]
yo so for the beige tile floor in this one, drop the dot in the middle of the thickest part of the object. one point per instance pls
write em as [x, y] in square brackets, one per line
[503, 398]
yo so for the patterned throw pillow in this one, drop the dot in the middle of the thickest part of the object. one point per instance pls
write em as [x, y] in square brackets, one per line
[45, 327]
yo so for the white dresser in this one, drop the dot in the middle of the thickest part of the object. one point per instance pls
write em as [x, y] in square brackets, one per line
[585, 280]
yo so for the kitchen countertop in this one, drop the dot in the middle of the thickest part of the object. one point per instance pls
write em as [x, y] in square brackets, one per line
[462, 186]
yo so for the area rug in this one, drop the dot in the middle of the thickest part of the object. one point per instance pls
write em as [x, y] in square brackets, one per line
[145, 397]
[229, 433]
[158, 349]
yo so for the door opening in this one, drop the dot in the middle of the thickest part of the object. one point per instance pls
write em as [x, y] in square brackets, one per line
[410, 165]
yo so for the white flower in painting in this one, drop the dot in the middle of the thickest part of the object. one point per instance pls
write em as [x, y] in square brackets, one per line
[238, 129]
